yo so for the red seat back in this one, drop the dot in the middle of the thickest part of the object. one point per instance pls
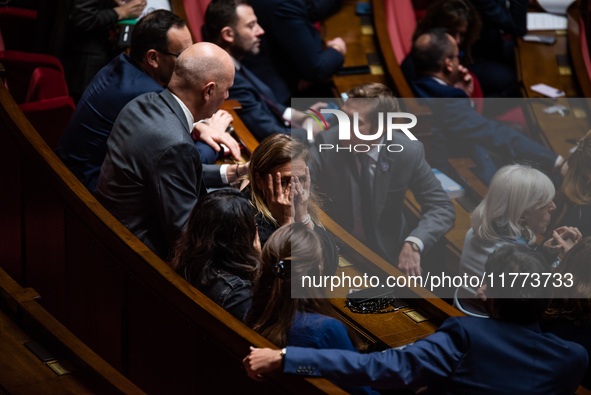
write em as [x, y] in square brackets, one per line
[195, 10]
[50, 117]
[402, 22]
[17, 28]
[19, 68]
[46, 83]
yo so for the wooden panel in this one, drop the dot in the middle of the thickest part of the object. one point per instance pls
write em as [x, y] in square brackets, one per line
[11, 258]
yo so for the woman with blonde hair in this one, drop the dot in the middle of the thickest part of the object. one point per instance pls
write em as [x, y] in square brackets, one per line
[279, 189]
[288, 313]
[518, 206]
[573, 200]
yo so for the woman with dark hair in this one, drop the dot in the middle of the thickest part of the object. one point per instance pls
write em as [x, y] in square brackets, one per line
[459, 18]
[569, 315]
[278, 167]
[573, 200]
[282, 309]
[219, 251]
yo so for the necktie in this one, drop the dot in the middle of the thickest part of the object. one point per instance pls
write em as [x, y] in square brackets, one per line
[366, 194]
[269, 102]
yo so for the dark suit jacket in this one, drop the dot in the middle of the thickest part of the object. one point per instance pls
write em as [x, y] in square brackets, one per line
[291, 48]
[465, 356]
[459, 130]
[152, 173]
[83, 146]
[336, 176]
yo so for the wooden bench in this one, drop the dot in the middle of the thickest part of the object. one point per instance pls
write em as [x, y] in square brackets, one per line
[108, 288]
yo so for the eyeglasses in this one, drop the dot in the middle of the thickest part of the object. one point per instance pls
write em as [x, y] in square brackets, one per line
[460, 56]
[176, 55]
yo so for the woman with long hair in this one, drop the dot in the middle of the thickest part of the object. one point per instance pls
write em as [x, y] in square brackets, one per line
[219, 251]
[518, 206]
[282, 309]
[279, 189]
[573, 200]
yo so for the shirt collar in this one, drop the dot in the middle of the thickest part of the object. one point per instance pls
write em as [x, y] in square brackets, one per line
[236, 63]
[188, 115]
[439, 81]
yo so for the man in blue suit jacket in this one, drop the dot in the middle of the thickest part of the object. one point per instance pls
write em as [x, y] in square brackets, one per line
[460, 130]
[157, 40]
[505, 354]
[292, 49]
[233, 26]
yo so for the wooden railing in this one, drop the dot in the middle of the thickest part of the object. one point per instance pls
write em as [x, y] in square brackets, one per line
[108, 288]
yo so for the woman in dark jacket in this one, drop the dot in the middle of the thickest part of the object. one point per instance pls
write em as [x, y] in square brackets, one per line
[219, 250]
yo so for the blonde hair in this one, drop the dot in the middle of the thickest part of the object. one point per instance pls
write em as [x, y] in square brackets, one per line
[515, 190]
[275, 150]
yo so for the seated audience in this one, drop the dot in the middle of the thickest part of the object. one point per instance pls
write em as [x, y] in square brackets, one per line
[518, 206]
[152, 175]
[292, 49]
[506, 354]
[459, 130]
[156, 42]
[279, 188]
[461, 21]
[89, 46]
[365, 191]
[573, 200]
[219, 251]
[287, 319]
[569, 314]
[232, 25]
[503, 21]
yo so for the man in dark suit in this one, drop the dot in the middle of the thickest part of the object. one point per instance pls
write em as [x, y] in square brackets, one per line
[459, 130]
[376, 217]
[157, 40]
[504, 354]
[232, 25]
[292, 49]
[152, 174]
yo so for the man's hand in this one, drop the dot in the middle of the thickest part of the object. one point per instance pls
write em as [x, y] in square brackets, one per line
[234, 172]
[409, 261]
[338, 44]
[261, 360]
[466, 83]
[130, 10]
[213, 132]
[300, 117]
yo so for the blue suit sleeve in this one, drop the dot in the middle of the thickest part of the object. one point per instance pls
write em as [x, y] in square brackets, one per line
[425, 362]
[303, 45]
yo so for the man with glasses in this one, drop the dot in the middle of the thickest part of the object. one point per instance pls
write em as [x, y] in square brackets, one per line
[458, 129]
[157, 41]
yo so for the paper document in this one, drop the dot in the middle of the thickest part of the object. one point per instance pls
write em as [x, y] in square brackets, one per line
[555, 6]
[545, 21]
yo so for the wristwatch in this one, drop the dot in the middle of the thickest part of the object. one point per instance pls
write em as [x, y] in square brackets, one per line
[282, 355]
[415, 247]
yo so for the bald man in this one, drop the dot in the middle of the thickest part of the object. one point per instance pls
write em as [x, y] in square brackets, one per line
[152, 175]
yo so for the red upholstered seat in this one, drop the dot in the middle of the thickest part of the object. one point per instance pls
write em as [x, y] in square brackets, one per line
[195, 10]
[17, 28]
[46, 83]
[402, 22]
[50, 117]
[19, 69]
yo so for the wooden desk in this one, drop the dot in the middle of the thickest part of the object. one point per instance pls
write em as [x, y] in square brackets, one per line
[360, 40]
[551, 65]
[22, 319]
